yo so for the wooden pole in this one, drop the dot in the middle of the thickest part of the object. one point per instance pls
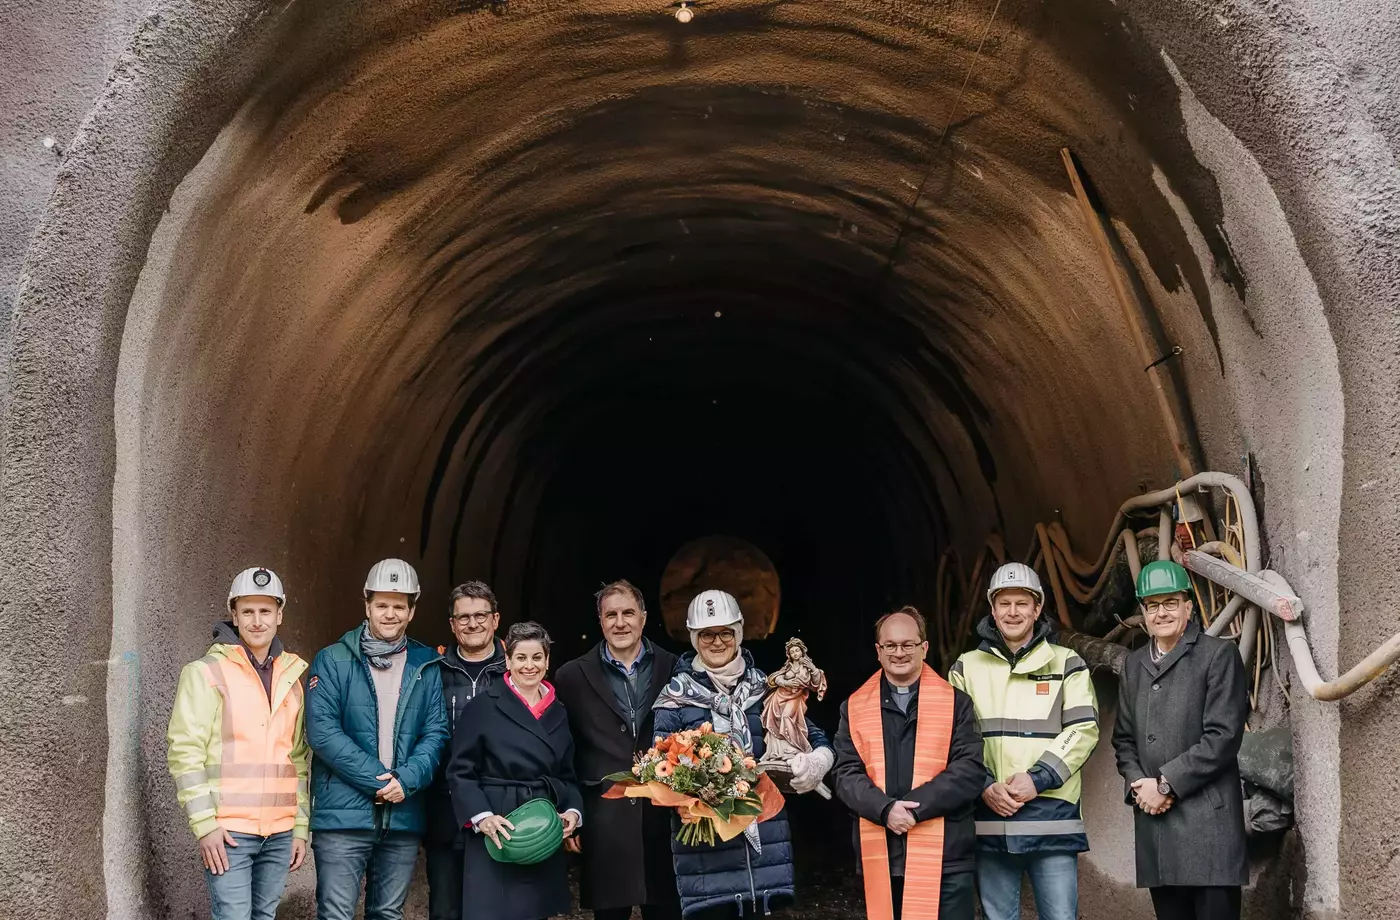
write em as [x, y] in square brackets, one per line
[1173, 416]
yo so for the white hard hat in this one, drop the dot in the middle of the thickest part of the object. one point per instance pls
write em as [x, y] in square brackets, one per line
[393, 575]
[257, 581]
[713, 608]
[1016, 575]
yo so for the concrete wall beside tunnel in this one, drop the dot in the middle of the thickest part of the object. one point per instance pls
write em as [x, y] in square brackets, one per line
[540, 296]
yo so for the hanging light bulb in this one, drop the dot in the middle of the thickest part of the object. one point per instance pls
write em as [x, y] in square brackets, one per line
[684, 13]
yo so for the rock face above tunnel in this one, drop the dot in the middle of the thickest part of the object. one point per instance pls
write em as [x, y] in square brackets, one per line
[282, 232]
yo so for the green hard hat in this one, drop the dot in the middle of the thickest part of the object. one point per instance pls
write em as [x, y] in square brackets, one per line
[1162, 577]
[538, 833]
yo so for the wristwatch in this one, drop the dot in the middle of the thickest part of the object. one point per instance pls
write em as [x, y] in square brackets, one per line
[1164, 787]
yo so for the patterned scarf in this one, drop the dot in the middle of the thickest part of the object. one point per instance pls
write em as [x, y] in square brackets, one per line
[728, 709]
[377, 650]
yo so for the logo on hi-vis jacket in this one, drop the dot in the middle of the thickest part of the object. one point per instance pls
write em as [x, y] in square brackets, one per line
[1042, 689]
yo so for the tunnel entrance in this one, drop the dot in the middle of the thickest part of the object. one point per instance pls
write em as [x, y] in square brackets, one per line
[546, 352]
[830, 293]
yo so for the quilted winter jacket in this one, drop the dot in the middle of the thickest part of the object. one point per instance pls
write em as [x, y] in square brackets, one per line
[342, 724]
[730, 872]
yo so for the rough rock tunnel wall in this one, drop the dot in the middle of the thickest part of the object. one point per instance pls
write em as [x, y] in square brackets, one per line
[538, 295]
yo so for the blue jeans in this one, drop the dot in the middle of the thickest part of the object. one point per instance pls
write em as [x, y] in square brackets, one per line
[1054, 880]
[257, 872]
[344, 859]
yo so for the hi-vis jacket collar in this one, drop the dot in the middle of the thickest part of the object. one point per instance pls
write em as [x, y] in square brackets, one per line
[1034, 655]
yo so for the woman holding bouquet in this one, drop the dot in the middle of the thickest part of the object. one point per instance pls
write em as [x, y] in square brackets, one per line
[512, 745]
[718, 683]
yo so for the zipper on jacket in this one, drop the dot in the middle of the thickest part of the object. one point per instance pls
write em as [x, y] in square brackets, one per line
[748, 864]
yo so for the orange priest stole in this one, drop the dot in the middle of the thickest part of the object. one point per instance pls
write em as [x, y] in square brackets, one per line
[923, 860]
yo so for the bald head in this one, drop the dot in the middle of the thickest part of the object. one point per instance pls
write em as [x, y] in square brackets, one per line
[901, 642]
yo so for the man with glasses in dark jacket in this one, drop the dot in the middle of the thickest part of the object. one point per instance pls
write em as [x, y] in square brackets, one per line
[476, 661]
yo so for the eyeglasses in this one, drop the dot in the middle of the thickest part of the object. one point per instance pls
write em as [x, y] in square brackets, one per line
[463, 619]
[717, 636]
[891, 648]
[1170, 605]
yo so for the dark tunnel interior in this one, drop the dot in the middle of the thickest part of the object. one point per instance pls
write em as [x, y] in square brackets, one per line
[542, 332]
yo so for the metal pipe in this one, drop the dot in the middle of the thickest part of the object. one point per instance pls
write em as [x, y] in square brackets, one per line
[1124, 627]
[1227, 616]
[1286, 607]
[1249, 518]
[1365, 671]
[1098, 654]
[1164, 534]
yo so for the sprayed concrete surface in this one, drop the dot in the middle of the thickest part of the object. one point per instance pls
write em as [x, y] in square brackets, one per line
[539, 294]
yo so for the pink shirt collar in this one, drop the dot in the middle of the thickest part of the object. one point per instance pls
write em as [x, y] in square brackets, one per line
[538, 709]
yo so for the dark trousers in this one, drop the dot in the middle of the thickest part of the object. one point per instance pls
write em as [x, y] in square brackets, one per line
[955, 898]
[1176, 902]
[649, 912]
[444, 863]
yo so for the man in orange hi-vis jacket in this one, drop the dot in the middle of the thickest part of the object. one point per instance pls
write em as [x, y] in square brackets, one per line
[239, 756]
[909, 764]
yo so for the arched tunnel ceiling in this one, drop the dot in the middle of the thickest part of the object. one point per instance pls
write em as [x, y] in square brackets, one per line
[401, 302]
[468, 243]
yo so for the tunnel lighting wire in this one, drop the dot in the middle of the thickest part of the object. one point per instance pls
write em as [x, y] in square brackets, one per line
[933, 154]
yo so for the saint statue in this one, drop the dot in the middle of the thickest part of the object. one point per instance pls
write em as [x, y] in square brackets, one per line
[785, 711]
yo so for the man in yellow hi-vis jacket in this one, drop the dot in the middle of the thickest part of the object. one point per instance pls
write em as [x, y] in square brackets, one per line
[238, 754]
[1038, 716]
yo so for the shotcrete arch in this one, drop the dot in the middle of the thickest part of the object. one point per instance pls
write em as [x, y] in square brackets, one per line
[539, 296]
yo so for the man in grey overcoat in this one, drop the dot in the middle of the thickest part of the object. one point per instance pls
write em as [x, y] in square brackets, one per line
[1182, 706]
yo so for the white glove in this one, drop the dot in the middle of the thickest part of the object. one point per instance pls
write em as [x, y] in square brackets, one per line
[809, 768]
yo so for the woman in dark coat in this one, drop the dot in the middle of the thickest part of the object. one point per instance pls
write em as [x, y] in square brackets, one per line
[512, 744]
[1182, 706]
[751, 874]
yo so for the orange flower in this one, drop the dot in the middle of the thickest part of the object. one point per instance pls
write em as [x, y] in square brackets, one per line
[664, 769]
[749, 763]
[741, 787]
[705, 752]
[636, 769]
[725, 764]
[706, 728]
[672, 758]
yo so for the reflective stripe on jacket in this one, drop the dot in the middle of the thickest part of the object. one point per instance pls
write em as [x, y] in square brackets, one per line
[1038, 714]
[238, 761]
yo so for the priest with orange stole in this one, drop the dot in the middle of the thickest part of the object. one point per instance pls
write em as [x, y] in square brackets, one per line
[909, 764]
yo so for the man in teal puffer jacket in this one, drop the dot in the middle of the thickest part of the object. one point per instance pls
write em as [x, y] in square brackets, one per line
[377, 726]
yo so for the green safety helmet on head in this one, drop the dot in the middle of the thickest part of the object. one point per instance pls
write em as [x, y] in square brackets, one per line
[1162, 577]
[538, 833]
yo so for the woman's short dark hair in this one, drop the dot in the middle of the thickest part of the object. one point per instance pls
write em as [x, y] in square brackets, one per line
[476, 589]
[529, 631]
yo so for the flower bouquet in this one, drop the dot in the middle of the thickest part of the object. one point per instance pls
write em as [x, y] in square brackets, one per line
[717, 788]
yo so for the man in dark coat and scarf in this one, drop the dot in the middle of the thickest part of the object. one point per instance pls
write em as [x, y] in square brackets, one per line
[608, 692]
[1182, 706]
